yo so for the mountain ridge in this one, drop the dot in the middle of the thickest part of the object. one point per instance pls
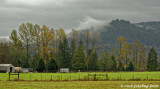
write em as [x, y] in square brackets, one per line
[108, 34]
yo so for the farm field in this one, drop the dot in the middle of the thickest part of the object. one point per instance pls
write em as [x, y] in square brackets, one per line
[84, 76]
[79, 85]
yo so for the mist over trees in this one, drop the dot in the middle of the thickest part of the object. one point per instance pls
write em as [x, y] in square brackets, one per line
[44, 48]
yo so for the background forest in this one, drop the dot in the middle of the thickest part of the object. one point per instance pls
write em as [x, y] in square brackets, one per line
[117, 46]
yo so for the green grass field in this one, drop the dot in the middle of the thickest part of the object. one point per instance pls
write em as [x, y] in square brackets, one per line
[42, 80]
[84, 76]
[79, 85]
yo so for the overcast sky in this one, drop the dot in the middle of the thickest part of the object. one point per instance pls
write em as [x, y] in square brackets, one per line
[78, 14]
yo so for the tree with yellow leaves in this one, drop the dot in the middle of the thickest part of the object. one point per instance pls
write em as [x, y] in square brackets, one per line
[15, 39]
[25, 33]
[142, 58]
[45, 36]
[121, 55]
[127, 52]
[37, 38]
[136, 47]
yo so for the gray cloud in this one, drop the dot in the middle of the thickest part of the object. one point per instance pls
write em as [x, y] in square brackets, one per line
[70, 14]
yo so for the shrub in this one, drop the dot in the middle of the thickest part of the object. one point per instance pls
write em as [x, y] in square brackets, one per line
[130, 66]
[41, 66]
[52, 65]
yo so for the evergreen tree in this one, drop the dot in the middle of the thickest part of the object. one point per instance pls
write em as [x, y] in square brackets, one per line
[73, 47]
[114, 66]
[78, 61]
[52, 65]
[35, 61]
[64, 54]
[92, 64]
[152, 60]
[130, 66]
[105, 62]
[41, 66]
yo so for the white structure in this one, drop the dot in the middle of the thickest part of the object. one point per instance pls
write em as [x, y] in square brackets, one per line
[6, 68]
[64, 70]
[27, 70]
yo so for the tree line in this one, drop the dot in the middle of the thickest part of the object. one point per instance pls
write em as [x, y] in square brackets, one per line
[133, 56]
[44, 48]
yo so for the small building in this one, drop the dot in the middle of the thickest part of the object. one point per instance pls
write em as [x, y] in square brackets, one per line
[27, 70]
[64, 70]
[6, 68]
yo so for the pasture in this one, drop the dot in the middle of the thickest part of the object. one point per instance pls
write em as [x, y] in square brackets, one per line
[79, 85]
[113, 76]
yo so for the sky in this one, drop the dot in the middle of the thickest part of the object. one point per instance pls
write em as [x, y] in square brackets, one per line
[77, 14]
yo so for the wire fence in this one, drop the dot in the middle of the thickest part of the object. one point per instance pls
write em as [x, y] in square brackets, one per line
[81, 77]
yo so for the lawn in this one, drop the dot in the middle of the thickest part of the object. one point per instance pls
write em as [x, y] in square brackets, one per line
[79, 85]
[84, 76]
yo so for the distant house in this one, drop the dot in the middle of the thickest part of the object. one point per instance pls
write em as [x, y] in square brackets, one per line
[6, 68]
[64, 70]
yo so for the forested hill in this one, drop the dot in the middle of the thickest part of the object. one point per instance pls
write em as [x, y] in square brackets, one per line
[109, 33]
[154, 25]
[145, 33]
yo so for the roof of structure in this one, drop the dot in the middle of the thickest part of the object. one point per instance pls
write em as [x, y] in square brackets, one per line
[6, 65]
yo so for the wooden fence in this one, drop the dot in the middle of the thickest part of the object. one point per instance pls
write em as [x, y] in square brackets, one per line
[13, 74]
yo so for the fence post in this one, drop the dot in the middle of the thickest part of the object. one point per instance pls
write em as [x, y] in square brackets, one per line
[133, 76]
[30, 76]
[41, 77]
[106, 76]
[88, 77]
[120, 76]
[79, 76]
[18, 76]
[61, 77]
[70, 77]
[51, 77]
[9, 76]
[94, 77]
[147, 76]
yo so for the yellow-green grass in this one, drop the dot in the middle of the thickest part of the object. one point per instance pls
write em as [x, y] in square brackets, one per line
[84, 75]
[78, 84]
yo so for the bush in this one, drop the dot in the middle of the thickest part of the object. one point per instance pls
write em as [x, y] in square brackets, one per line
[41, 66]
[124, 68]
[114, 66]
[52, 65]
[130, 66]
[120, 66]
